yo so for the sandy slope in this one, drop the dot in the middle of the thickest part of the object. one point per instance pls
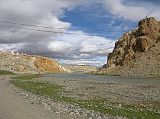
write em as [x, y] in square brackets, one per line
[20, 63]
[15, 107]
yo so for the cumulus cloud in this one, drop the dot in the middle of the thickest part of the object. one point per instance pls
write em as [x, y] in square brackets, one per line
[71, 47]
[134, 12]
[30, 12]
[64, 47]
[29, 39]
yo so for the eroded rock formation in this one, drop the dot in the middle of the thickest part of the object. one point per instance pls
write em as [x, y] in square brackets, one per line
[136, 50]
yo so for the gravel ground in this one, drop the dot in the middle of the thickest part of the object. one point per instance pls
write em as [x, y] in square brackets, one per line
[128, 93]
[60, 108]
[121, 92]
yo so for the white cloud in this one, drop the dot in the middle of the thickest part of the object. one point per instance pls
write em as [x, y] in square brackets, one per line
[134, 13]
[46, 13]
[36, 12]
[59, 46]
[77, 48]
[65, 47]
[10, 47]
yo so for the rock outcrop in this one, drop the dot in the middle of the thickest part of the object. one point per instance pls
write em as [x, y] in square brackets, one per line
[45, 64]
[21, 63]
[136, 51]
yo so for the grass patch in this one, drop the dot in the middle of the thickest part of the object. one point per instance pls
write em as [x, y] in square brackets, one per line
[27, 77]
[104, 73]
[100, 105]
[157, 74]
[43, 89]
[4, 72]
[113, 109]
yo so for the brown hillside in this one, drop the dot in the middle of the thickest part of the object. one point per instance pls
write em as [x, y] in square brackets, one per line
[21, 63]
[45, 64]
[137, 52]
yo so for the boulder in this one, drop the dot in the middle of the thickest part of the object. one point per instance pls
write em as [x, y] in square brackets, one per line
[142, 44]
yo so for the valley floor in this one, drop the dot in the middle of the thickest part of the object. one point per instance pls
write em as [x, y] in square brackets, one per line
[79, 97]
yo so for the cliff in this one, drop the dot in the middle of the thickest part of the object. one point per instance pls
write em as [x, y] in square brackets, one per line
[137, 52]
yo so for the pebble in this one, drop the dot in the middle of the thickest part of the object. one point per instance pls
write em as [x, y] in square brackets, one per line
[57, 112]
[46, 107]
[72, 113]
[99, 117]
[120, 105]
[90, 118]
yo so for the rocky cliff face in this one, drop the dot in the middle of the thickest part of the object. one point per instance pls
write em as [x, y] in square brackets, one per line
[137, 51]
[20, 63]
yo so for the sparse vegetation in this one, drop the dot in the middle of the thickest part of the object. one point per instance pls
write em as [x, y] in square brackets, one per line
[100, 105]
[154, 74]
[27, 77]
[104, 73]
[4, 72]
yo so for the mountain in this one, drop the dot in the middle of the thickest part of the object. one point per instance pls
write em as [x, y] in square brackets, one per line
[80, 68]
[22, 63]
[137, 52]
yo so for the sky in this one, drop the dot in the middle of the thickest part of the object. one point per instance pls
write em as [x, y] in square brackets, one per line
[70, 31]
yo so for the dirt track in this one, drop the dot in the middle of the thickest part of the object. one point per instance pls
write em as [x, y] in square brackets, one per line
[15, 107]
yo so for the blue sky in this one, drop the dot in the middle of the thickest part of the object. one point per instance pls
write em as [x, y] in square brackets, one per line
[83, 31]
[95, 20]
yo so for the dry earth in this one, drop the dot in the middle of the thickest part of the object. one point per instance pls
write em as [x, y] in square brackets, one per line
[21, 63]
